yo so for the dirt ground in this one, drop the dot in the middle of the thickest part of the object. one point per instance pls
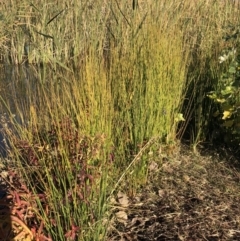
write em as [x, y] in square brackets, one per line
[188, 197]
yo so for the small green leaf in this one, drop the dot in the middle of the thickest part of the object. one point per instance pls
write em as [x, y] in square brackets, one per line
[228, 90]
[212, 95]
[221, 100]
[232, 70]
[179, 117]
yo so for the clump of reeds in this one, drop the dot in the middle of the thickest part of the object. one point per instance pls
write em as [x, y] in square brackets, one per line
[63, 173]
[120, 79]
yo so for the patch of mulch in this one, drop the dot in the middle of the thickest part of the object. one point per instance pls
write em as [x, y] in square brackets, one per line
[188, 197]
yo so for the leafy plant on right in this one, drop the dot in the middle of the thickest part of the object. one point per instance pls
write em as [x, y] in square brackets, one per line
[226, 96]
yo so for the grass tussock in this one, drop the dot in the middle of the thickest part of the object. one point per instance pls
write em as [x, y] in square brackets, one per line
[108, 94]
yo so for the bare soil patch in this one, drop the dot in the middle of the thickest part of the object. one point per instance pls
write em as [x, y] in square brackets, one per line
[188, 197]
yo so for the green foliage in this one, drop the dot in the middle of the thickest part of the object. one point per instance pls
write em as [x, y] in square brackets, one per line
[227, 94]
